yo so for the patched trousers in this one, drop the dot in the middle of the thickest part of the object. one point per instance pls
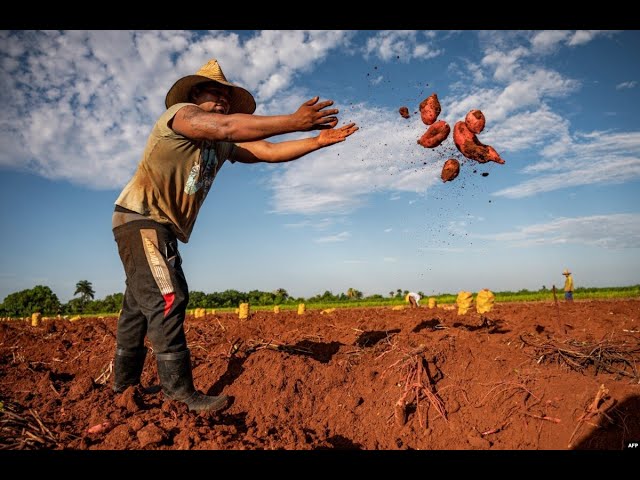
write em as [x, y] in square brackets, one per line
[156, 295]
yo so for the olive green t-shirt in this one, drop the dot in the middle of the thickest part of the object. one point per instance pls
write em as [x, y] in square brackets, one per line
[174, 176]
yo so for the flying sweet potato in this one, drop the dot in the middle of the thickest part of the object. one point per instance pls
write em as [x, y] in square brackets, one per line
[475, 121]
[430, 109]
[435, 134]
[469, 145]
[404, 111]
[450, 170]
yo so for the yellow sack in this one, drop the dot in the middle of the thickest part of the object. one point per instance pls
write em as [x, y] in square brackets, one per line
[276, 309]
[432, 302]
[484, 301]
[301, 309]
[35, 319]
[243, 311]
[464, 302]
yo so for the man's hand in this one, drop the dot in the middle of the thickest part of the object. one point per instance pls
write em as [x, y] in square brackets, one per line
[312, 115]
[336, 135]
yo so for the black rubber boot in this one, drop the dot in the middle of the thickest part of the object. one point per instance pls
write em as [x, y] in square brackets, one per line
[127, 368]
[176, 378]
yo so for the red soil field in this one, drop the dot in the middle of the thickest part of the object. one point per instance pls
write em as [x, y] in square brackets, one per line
[524, 376]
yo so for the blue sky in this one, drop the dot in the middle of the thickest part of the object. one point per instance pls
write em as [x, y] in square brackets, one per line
[371, 213]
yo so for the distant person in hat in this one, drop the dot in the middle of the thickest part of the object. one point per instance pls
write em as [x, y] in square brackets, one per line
[413, 299]
[208, 120]
[568, 286]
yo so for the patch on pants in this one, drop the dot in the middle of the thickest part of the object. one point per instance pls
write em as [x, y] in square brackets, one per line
[158, 267]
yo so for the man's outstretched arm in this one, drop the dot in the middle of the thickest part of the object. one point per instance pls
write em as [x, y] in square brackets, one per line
[264, 151]
[195, 123]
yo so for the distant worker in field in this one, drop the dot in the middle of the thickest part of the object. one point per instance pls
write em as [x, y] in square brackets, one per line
[208, 120]
[413, 299]
[568, 286]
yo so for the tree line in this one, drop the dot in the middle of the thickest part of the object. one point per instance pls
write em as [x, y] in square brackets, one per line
[42, 299]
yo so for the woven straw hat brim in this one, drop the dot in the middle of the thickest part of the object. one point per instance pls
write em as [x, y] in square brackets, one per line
[241, 100]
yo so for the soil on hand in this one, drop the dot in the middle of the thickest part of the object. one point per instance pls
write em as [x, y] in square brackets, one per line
[523, 376]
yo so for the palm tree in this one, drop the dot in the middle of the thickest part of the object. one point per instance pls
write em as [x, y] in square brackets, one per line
[351, 293]
[85, 289]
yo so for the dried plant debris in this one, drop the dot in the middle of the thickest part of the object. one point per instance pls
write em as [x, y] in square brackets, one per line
[617, 356]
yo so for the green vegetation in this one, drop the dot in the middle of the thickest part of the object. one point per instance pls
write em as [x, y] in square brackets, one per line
[23, 304]
[42, 299]
[545, 294]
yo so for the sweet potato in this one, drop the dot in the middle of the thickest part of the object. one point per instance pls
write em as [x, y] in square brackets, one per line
[450, 170]
[100, 428]
[475, 121]
[430, 109]
[435, 134]
[469, 145]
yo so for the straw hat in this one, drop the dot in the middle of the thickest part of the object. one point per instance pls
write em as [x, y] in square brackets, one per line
[241, 100]
[566, 272]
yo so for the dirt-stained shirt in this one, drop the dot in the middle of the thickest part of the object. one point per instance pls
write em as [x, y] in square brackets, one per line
[174, 176]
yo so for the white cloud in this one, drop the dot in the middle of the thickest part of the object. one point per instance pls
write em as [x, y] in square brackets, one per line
[505, 64]
[530, 90]
[594, 158]
[526, 129]
[610, 231]
[524, 90]
[319, 224]
[625, 85]
[340, 237]
[548, 40]
[580, 37]
[382, 156]
[403, 45]
[272, 58]
[78, 105]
